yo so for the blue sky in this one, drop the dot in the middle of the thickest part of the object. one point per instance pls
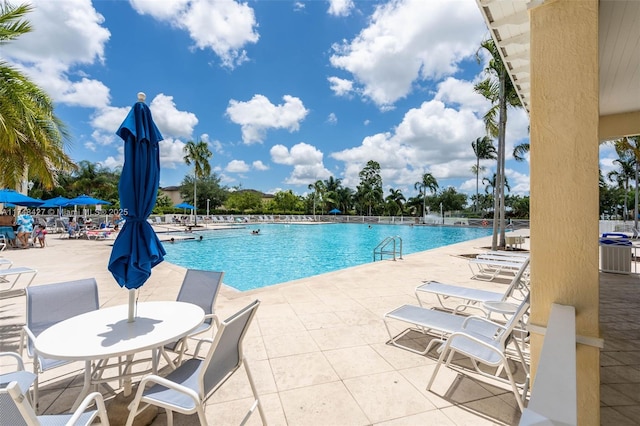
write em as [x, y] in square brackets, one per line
[284, 92]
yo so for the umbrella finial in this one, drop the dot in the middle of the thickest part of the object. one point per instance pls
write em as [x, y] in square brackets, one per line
[141, 97]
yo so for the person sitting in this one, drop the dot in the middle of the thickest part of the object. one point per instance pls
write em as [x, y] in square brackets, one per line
[40, 233]
[25, 228]
[73, 228]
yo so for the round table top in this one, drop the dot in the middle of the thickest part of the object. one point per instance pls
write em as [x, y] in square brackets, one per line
[106, 332]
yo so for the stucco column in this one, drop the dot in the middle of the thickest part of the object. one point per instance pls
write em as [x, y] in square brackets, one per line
[564, 180]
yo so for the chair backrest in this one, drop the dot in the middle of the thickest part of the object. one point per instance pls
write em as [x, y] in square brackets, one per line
[51, 303]
[201, 288]
[518, 280]
[225, 355]
[514, 321]
[14, 408]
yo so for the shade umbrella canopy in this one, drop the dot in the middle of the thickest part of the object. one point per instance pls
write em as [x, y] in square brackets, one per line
[14, 197]
[58, 201]
[84, 200]
[184, 206]
[137, 248]
[335, 211]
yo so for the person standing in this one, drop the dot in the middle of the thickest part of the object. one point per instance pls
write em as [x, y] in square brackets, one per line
[25, 228]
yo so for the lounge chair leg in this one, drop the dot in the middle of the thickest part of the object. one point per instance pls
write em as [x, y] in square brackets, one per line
[443, 354]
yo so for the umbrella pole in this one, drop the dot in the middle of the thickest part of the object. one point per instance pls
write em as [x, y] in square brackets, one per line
[132, 304]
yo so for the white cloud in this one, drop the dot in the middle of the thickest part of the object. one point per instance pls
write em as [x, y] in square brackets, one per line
[298, 6]
[259, 115]
[225, 27]
[306, 161]
[237, 166]
[259, 165]
[332, 118]
[170, 120]
[340, 86]
[340, 7]
[114, 162]
[171, 153]
[408, 41]
[66, 34]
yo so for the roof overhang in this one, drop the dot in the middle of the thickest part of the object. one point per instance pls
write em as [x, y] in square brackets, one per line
[619, 49]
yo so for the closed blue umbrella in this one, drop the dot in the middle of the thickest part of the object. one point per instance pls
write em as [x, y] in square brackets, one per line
[14, 197]
[137, 248]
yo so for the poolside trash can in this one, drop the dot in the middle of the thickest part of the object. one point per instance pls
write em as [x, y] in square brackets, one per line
[615, 253]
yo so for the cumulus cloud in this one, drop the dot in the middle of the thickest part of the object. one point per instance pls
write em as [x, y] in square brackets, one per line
[306, 160]
[408, 41]
[332, 118]
[340, 86]
[237, 166]
[225, 27]
[259, 115]
[49, 53]
[259, 165]
[170, 120]
[171, 153]
[340, 7]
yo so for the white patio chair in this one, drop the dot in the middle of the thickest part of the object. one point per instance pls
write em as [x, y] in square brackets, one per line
[19, 375]
[469, 297]
[186, 389]
[48, 305]
[200, 288]
[16, 410]
[489, 349]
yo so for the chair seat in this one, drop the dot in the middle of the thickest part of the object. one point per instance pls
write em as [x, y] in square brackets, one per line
[486, 355]
[85, 418]
[24, 378]
[187, 376]
[448, 290]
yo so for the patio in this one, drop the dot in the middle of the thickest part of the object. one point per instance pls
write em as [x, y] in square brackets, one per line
[318, 348]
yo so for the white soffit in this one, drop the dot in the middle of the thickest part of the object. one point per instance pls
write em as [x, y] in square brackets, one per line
[619, 49]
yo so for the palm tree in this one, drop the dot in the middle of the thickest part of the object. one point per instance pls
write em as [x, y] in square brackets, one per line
[32, 138]
[397, 199]
[630, 146]
[623, 175]
[318, 189]
[484, 150]
[197, 154]
[499, 90]
[520, 150]
[428, 182]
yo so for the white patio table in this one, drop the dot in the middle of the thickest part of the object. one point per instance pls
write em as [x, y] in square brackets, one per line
[106, 333]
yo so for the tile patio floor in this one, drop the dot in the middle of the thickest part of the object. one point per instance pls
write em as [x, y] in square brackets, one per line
[318, 346]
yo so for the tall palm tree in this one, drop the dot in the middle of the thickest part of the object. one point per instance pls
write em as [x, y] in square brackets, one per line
[484, 150]
[625, 173]
[397, 199]
[520, 150]
[318, 189]
[198, 155]
[631, 146]
[32, 138]
[430, 183]
[500, 91]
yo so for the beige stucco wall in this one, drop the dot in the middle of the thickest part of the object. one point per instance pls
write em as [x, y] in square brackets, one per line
[564, 179]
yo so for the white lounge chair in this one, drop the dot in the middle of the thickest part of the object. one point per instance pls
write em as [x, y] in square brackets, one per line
[187, 388]
[489, 349]
[489, 269]
[473, 297]
[16, 410]
[9, 277]
[5, 262]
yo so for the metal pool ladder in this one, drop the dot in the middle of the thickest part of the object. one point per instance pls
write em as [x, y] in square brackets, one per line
[391, 246]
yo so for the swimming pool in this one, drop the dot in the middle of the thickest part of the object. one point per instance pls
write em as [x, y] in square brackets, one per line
[287, 252]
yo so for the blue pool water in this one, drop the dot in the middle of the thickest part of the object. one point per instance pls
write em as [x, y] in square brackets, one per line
[283, 252]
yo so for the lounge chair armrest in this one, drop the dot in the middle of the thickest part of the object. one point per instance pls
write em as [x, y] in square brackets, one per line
[17, 358]
[470, 336]
[102, 410]
[470, 319]
[28, 334]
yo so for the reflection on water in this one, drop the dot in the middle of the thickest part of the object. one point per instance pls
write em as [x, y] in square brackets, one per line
[125, 330]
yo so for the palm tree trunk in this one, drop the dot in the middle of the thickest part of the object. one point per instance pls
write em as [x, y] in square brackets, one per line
[477, 184]
[195, 203]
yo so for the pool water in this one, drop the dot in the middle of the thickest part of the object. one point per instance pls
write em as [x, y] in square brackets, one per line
[286, 252]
